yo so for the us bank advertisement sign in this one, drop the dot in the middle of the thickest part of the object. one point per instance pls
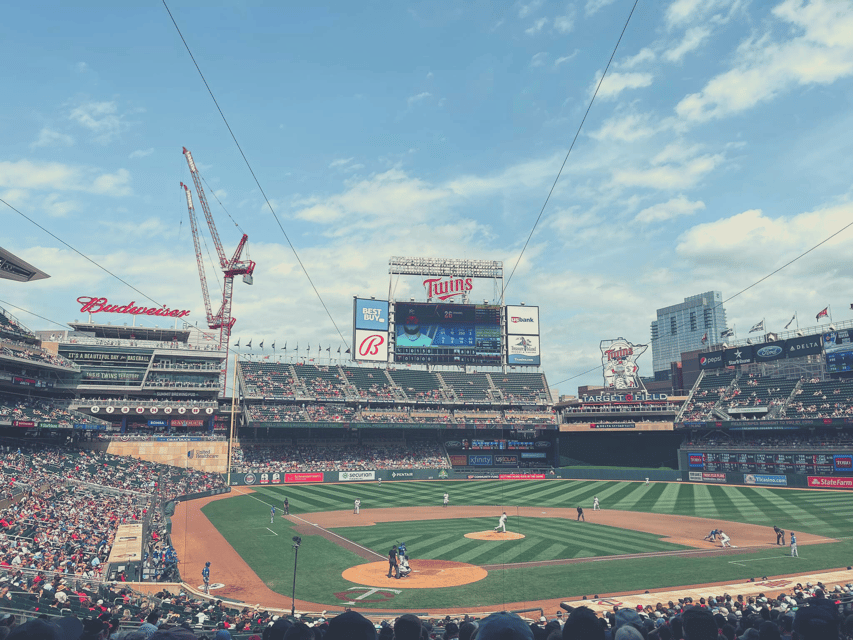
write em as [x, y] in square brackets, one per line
[522, 321]
[523, 350]
[371, 314]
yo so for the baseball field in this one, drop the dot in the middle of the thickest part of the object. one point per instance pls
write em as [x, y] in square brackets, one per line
[647, 536]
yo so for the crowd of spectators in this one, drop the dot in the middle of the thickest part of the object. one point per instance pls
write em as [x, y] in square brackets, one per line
[77, 611]
[24, 351]
[23, 409]
[343, 457]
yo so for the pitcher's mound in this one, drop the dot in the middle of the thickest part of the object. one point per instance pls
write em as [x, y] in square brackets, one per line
[492, 535]
[426, 574]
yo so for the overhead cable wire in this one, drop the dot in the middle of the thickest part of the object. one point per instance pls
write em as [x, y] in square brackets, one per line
[745, 289]
[568, 153]
[82, 255]
[257, 182]
[32, 313]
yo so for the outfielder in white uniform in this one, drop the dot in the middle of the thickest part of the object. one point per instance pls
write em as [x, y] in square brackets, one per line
[356, 505]
[501, 523]
[595, 506]
[446, 499]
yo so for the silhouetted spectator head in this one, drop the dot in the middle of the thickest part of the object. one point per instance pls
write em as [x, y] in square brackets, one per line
[407, 627]
[819, 620]
[503, 626]
[583, 624]
[699, 624]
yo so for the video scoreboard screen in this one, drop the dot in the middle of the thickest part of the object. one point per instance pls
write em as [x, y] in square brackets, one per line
[460, 334]
[783, 463]
[838, 346]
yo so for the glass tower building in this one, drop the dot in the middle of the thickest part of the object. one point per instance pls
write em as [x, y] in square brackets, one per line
[681, 327]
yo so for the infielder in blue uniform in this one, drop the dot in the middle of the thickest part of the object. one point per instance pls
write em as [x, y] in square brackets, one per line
[205, 574]
[272, 514]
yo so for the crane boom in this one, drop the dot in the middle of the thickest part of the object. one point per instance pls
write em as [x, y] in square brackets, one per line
[222, 320]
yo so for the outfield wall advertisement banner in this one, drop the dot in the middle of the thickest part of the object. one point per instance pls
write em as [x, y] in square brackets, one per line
[719, 478]
[521, 476]
[765, 480]
[303, 477]
[830, 483]
[480, 461]
[695, 476]
[355, 476]
[459, 461]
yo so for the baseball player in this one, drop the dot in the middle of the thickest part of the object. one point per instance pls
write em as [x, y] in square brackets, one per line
[725, 539]
[272, 514]
[205, 575]
[446, 499]
[580, 514]
[794, 552]
[356, 506]
[780, 536]
[595, 506]
[501, 523]
[712, 535]
[392, 563]
[286, 507]
[647, 481]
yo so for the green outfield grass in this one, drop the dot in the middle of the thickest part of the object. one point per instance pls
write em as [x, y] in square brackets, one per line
[243, 521]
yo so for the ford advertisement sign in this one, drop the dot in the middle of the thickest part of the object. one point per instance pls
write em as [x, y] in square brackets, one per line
[769, 352]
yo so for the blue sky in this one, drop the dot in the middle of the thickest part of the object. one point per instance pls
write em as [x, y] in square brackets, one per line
[719, 147]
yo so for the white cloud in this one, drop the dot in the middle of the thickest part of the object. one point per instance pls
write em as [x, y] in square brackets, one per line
[563, 59]
[412, 100]
[58, 207]
[564, 24]
[141, 153]
[681, 11]
[643, 56]
[50, 138]
[668, 176]
[625, 128]
[593, 6]
[539, 59]
[81, 67]
[821, 54]
[537, 26]
[25, 174]
[525, 10]
[615, 82]
[693, 39]
[678, 206]
[101, 118]
[340, 162]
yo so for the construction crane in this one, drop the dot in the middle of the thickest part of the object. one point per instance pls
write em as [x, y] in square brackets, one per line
[222, 320]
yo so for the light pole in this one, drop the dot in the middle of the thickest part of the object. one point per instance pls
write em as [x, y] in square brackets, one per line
[296, 542]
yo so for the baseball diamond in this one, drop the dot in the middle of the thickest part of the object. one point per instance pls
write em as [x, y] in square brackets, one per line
[650, 536]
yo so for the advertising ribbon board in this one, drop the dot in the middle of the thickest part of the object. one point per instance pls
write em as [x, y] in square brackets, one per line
[765, 480]
[521, 476]
[480, 461]
[613, 425]
[695, 476]
[719, 478]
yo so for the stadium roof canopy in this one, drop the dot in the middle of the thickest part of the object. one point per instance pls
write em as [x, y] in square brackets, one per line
[125, 332]
[13, 268]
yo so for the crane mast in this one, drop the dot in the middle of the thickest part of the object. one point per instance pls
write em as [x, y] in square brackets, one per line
[222, 320]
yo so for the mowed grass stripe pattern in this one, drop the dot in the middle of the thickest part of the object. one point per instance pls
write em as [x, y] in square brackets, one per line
[545, 539]
[819, 512]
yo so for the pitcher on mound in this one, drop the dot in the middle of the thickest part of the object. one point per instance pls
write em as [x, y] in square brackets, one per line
[501, 523]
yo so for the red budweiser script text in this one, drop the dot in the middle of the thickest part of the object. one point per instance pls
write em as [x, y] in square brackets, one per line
[101, 305]
[436, 288]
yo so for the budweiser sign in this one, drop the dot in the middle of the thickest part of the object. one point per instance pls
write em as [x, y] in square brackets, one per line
[447, 288]
[91, 304]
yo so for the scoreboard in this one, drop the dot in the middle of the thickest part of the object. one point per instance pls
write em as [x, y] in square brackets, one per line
[460, 334]
[779, 463]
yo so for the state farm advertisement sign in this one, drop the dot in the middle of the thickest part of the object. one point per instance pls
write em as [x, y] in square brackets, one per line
[371, 345]
[303, 477]
[521, 476]
[830, 483]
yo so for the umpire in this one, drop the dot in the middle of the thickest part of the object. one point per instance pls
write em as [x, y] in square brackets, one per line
[392, 563]
[780, 536]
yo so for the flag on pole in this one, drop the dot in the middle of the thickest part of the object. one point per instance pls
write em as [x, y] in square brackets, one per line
[249, 345]
[727, 333]
[273, 346]
[705, 338]
[284, 348]
[794, 317]
[262, 344]
[238, 343]
[822, 314]
[347, 351]
[758, 326]
[339, 349]
[329, 348]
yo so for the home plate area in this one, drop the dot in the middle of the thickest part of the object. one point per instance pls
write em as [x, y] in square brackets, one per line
[494, 535]
[426, 574]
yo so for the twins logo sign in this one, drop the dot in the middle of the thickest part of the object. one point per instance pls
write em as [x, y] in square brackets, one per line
[619, 363]
[371, 345]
